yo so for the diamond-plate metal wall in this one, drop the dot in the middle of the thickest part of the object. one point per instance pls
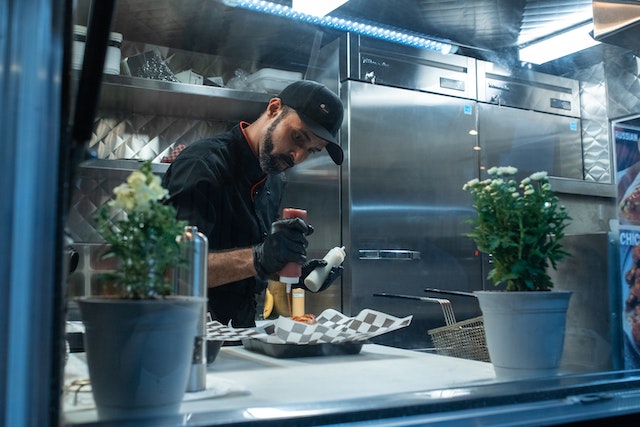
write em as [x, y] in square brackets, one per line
[122, 136]
[609, 90]
[137, 136]
[596, 150]
[118, 136]
[623, 85]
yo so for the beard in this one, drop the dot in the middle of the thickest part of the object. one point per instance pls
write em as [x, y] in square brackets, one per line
[273, 163]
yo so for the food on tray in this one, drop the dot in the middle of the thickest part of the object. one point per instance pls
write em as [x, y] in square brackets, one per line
[308, 318]
[635, 326]
[630, 204]
[632, 303]
[332, 327]
[632, 277]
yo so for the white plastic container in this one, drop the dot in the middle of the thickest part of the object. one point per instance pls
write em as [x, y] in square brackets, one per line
[188, 76]
[77, 52]
[112, 56]
[316, 278]
[272, 81]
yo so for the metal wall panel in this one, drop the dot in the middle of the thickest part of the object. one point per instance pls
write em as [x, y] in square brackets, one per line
[388, 64]
[530, 140]
[527, 89]
[596, 150]
[622, 72]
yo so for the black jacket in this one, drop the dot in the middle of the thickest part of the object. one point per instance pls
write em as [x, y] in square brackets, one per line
[217, 185]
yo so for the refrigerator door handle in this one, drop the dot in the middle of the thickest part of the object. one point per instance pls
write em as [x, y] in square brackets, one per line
[390, 254]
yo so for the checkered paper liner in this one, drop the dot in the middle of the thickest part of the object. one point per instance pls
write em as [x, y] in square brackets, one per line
[332, 327]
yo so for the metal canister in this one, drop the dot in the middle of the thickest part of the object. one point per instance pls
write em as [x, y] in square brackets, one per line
[192, 281]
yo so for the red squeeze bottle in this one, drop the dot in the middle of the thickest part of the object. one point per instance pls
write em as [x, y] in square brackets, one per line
[291, 272]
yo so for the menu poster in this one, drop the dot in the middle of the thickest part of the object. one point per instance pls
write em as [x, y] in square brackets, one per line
[630, 295]
[627, 173]
[627, 155]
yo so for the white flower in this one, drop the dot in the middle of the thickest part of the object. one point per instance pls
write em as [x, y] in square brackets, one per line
[158, 190]
[138, 192]
[136, 180]
[125, 198]
[506, 171]
[538, 176]
[470, 184]
[145, 238]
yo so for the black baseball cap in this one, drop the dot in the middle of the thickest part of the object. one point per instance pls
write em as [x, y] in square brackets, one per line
[319, 109]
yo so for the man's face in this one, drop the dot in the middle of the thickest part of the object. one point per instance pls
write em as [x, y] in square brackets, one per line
[287, 142]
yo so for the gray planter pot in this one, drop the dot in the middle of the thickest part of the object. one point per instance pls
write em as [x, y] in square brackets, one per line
[139, 353]
[525, 331]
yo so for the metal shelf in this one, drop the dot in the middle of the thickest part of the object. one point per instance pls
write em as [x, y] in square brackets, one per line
[123, 165]
[585, 188]
[147, 96]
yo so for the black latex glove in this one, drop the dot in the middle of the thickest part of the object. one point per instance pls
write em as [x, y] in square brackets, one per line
[286, 243]
[311, 265]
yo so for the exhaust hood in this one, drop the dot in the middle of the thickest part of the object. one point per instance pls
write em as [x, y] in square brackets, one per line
[617, 23]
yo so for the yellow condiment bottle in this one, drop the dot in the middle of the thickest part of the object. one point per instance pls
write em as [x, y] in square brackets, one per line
[297, 302]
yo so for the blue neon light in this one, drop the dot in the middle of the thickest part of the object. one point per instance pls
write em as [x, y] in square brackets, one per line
[365, 29]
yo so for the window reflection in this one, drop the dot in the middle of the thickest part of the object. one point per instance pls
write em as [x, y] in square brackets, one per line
[221, 46]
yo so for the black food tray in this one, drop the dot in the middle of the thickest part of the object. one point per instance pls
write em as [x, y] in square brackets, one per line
[302, 350]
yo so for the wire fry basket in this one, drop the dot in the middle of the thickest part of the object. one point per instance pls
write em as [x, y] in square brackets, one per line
[463, 339]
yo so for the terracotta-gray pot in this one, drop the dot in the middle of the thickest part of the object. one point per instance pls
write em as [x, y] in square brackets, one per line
[139, 353]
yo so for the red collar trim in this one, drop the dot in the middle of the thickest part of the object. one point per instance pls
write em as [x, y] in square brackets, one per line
[243, 125]
[254, 187]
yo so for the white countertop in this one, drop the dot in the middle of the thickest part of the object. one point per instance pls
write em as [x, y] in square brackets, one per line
[241, 379]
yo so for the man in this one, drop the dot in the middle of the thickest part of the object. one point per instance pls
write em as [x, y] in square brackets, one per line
[230, 187]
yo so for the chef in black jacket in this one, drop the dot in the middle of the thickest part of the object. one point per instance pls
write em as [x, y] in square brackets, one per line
[230, 187]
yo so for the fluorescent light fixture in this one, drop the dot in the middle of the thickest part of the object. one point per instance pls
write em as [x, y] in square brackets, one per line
[316, 7]
[362, 28]
[561, 44]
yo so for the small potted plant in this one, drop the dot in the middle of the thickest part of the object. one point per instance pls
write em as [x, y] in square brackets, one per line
[521, 225]
[139, 341]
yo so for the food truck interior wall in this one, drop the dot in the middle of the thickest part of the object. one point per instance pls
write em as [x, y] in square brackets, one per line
[608, 66]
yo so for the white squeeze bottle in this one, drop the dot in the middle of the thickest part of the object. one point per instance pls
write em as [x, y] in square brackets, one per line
[316, 278]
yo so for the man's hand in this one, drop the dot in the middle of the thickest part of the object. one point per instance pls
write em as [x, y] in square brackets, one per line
[286, 243]
[311, 265]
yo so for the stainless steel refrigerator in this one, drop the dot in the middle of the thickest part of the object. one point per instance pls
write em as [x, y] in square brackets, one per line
[418, 125]
[409, 145]
[404, 211]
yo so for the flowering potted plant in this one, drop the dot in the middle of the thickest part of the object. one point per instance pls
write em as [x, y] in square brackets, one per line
[146, 240]
[521, 226]
[140, 342]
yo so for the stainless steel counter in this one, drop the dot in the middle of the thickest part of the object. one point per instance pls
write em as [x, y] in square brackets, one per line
[384, 386]
[256, 384]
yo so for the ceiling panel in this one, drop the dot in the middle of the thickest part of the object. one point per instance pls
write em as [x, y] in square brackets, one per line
[485, 28]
